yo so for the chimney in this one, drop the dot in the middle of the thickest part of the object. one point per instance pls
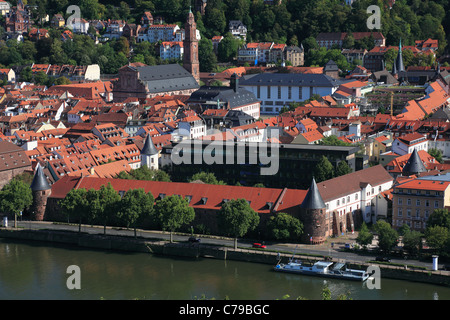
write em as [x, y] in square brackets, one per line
[234, 82]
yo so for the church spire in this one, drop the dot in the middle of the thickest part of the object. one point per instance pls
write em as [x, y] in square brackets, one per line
[400, 65]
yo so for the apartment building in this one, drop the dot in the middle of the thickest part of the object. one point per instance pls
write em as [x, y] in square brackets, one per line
[414, 200]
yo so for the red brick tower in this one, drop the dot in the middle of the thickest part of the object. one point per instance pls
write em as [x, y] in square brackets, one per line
[41, 191]
[313, 216]
[190, 45]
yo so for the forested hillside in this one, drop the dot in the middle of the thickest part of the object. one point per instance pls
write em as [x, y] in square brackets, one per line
[291, 22]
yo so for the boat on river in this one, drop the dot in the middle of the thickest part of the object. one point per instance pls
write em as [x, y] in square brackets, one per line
[324, 269]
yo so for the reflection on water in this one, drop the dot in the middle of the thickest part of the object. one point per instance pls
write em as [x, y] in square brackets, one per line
[39, 271]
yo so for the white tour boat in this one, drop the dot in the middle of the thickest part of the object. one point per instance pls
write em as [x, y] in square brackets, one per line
[323, 268]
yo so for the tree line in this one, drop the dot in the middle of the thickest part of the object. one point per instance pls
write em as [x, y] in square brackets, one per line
[436, 236]
[292, 22]
[139, 209]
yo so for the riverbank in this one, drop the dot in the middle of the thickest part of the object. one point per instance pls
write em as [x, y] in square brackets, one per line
[199, 251]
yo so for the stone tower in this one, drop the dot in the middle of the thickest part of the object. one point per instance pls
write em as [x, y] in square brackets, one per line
[190, 47]
[149, 154]
[313, 216]
[41, 191]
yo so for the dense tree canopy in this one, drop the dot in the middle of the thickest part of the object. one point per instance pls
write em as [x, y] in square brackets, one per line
[292, 22]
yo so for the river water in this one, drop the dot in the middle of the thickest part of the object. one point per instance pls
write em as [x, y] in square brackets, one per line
[40, 271]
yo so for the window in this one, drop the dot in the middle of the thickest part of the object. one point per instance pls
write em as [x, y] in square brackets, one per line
[337, 202]
[258, 92]
[289, 93]
[400, 212]
[279, 92]
[417, 202]
[427, 203]
[268, 92]
[408, 213]
[300, 93]
[400, 201]
[356, 196]
[408, 202]
[436, 204]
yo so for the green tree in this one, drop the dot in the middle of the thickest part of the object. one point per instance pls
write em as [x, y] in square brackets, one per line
[436, 153]
[15, 197]
[404, 229]
[62, 80]
[343, 168]
[333, 141]
[206, 55]
[283, 226]
[172, 212]
[365, 237]
[41, 78]
[135, 206]
[206, 177]
[26, 74]
[412, 241]
[236, 218]
[215, 20]
[437, 238]
[228, 48]
[439, 217]
[104, 204]
[324, 170]
[387, 236]
[75, 205]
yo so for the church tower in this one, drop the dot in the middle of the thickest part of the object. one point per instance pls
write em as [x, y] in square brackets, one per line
[41, 191]
[190, 47]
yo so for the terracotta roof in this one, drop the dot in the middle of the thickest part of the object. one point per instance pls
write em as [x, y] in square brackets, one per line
[203, 196]
[422, 184]
[350, 183]
[12, 157]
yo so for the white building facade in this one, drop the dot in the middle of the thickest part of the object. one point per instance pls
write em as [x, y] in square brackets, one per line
[278, 90]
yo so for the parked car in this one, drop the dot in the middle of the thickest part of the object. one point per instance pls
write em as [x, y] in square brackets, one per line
[383, 259]
[194, 239]
[259, 245]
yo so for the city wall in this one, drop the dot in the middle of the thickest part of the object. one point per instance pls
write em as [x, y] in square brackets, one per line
[198, 251]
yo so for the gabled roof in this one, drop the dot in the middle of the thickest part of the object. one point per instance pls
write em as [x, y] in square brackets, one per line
[201, 196]
[350, 183]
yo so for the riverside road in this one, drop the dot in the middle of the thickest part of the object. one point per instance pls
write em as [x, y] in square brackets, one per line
[333, 247]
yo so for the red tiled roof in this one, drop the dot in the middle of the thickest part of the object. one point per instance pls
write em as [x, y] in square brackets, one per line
[349, 183]
[281, 200]
[420, 184]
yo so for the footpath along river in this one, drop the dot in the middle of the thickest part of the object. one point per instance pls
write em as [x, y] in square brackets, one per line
[39, 271]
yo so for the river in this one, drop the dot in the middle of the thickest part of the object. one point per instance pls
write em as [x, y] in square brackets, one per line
[39, 271]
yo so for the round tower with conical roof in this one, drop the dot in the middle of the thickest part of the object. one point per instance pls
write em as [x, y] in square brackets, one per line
[414, 166]
[149, 154]
[313, 216]
[41, 190]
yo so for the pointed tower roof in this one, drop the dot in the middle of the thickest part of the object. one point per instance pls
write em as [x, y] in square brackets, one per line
[149, 148]
[394, 68]
[399, 61]
[313, 199]
[414, 165]
[39, 182]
